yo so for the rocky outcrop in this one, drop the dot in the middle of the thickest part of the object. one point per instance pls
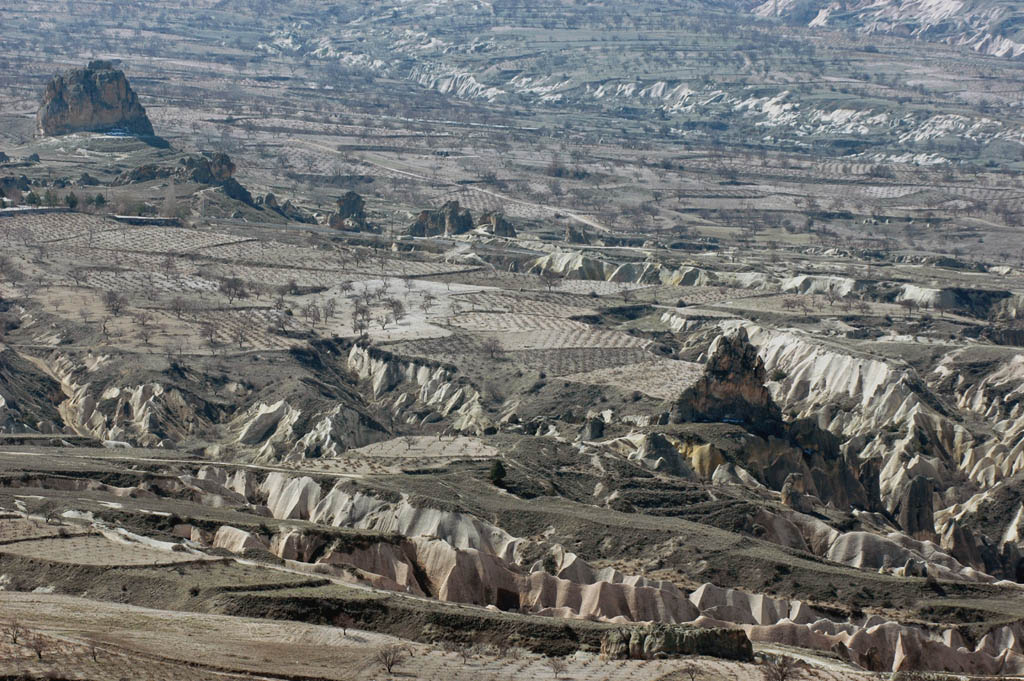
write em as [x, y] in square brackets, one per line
[448, 220]
[275, 430]
[287, 210]
[576, 235]
[237, 541]
[97, 98]
[351, 213]
[663, 641]
[411, 385]
[213, 169]
[732, 388]
[497, 224]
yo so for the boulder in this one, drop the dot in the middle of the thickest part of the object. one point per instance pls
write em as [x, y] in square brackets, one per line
[97, 98]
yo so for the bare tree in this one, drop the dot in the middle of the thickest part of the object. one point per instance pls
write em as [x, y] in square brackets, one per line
[691, 671]
[493, 347]
[397, 309]
[178, 306]
[209, 332]
[550, 279]
[390, 656]
[144, 326]
[909, 304]
[427, 302]
[38, 644]
[232, 288]
[831, 295]
[557, 666]
[238, 335]
[781, 668]
[330, 307]
[77, 274]
[115, 302]
[344, 621]
[14, 631]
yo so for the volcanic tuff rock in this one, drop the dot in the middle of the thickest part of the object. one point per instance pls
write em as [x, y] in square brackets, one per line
[914, 512]
[732, 388]
[447, 220]
[351, 212]
[498, 225]
[659, 641]
[96, 98]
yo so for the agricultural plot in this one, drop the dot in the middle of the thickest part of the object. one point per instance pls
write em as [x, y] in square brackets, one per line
[17, 529]
[163, 644]
[276, 253]
[500, 322]
[586, 287]
[45, 228]
[146, 282]
[566, 336]
[173, 240]
[255, 328]
[564, 361]
[660, 378]
[94, 549]
[524, 304]
[425, 449]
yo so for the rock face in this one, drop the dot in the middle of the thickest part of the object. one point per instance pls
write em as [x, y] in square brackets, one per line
[447, 220]
[732, 388]
[94, 99]
[661, 641]
[915, 514]
[214, 169]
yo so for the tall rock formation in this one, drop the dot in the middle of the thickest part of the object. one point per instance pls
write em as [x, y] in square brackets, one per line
[915, 511]
[447, 220]
[732, 388]
[94, 99]
[351, 213]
